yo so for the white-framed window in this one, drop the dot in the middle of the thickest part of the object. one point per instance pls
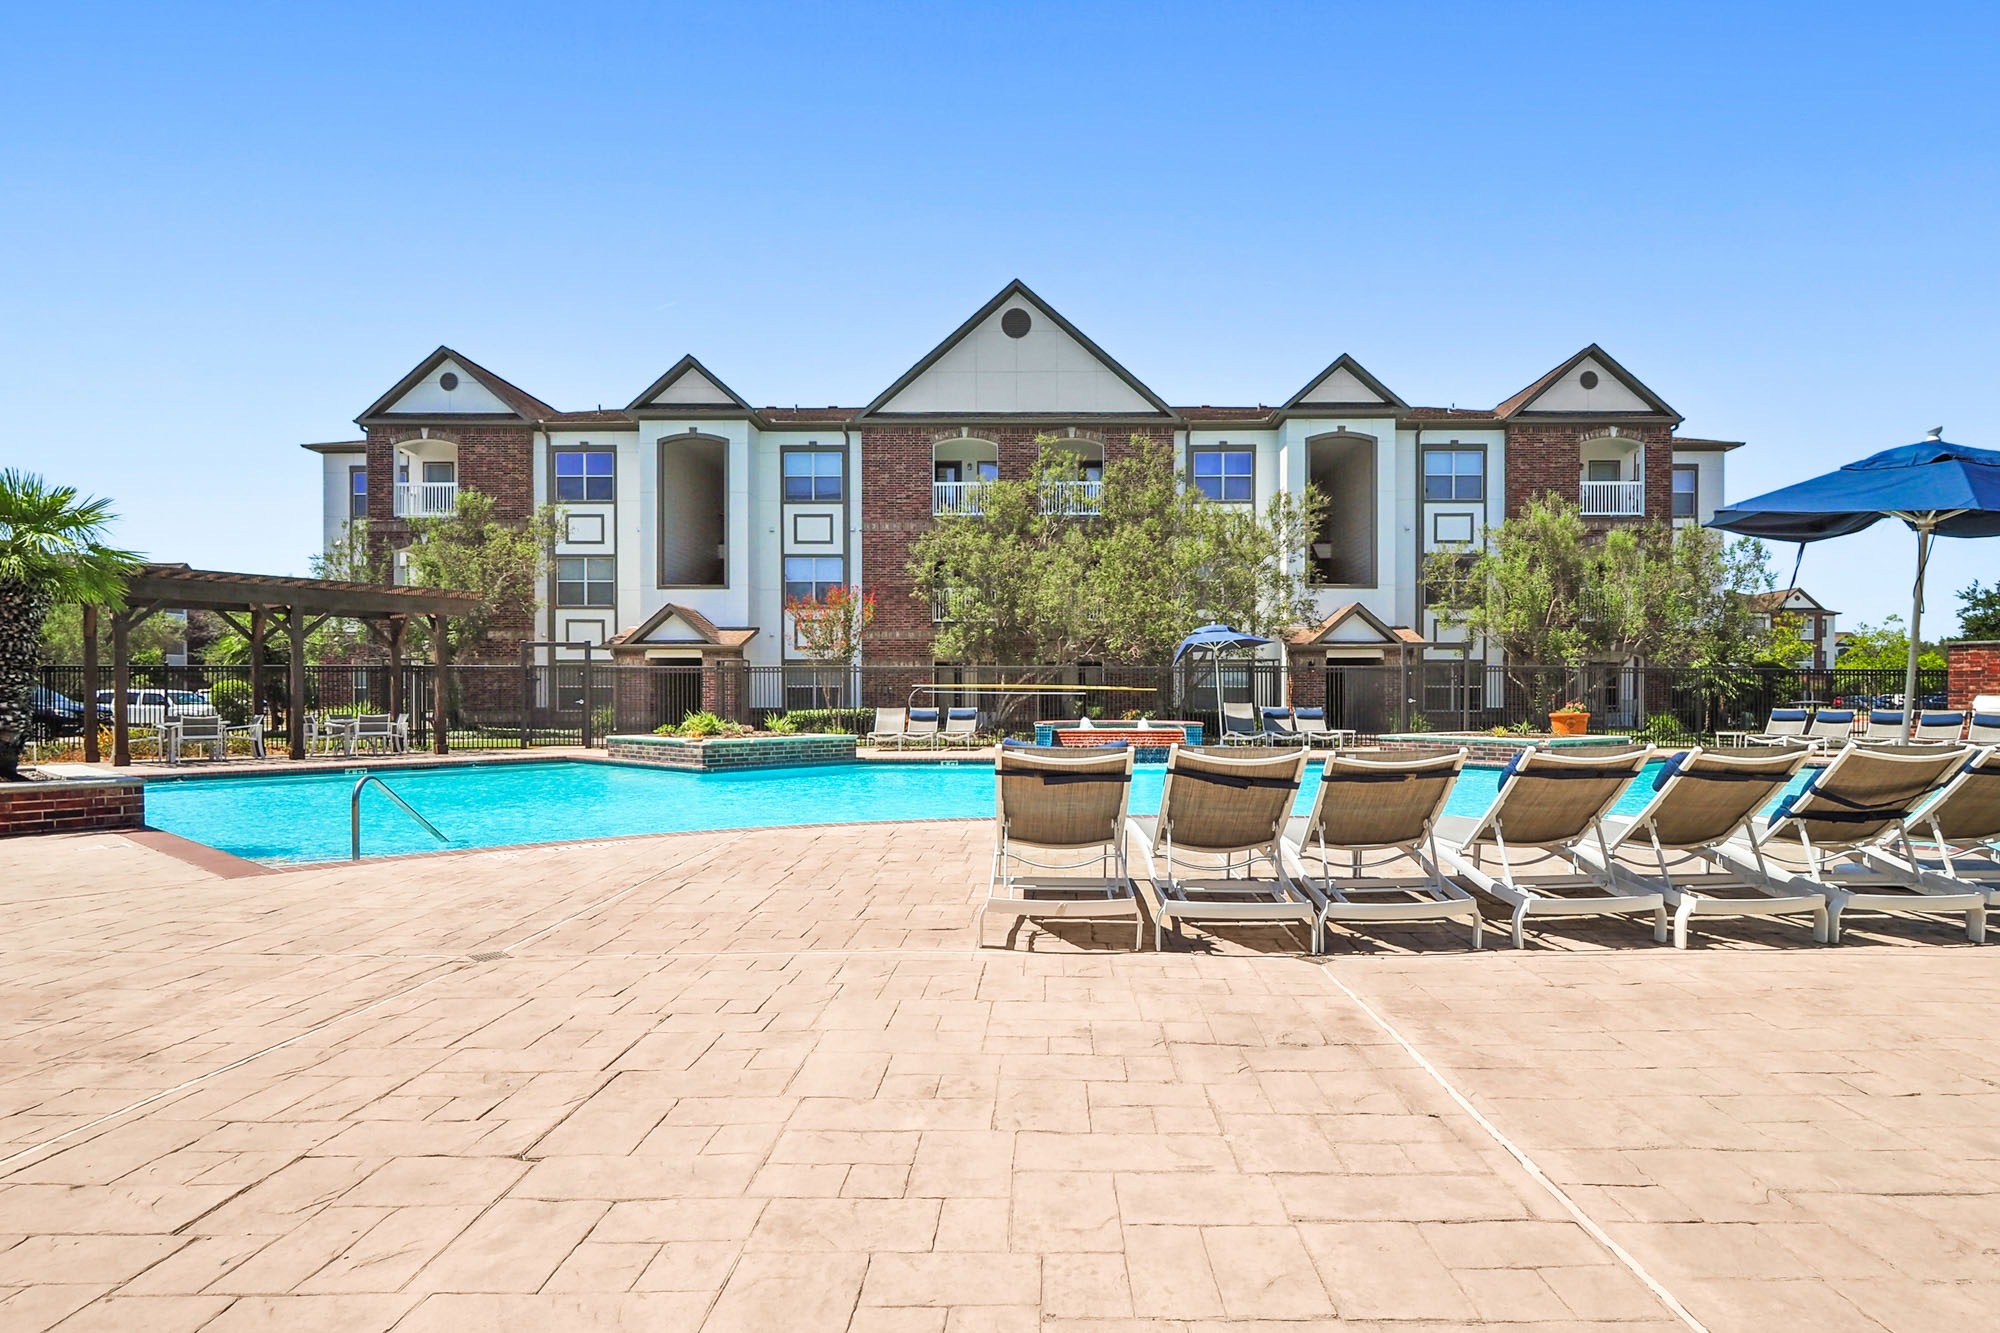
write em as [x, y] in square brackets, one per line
[1603, 469]
[439, 474]
[357, 491]
[1228, 475]
[586, 475]
[812, 577]
[814, 475]
[1686, 478]
[586, 580]
[1454, 474]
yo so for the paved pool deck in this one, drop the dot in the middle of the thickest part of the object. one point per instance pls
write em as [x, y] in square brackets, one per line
[765, 1080]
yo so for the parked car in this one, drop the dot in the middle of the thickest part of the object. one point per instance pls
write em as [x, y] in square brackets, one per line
[55, 715]
[149, 708]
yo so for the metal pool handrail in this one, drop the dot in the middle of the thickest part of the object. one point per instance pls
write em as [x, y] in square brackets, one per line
[354, 815]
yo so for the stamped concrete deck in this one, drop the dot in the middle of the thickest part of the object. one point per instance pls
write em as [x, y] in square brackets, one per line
[764, 1080]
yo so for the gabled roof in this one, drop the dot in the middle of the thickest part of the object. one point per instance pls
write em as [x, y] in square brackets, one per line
[517, 400]
[1012, 291]
[1525, 400]
[1781, 599]
[705, 630]
[697, 392]
[1306, 635]
[1345, 383]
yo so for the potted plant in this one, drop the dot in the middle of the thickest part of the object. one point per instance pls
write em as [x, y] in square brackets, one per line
[1569, 719]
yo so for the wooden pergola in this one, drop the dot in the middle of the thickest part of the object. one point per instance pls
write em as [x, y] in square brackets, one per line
[253, 605]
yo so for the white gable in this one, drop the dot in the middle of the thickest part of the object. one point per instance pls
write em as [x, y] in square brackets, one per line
[1567, 394]
[1354, 629]
[693, 388]
[1341, 386]
[675, 630]
[1045, 370]
[430, 397]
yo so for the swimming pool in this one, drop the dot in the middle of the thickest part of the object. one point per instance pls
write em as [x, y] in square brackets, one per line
[295, 818]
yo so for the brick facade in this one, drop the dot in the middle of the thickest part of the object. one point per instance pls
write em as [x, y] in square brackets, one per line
[1975, 670]
[71, 807]
[731, 755]
[1544, 457]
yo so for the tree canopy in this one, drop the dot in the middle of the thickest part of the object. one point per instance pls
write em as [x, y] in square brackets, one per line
[1021, 585]
[1885, 645]
[1979, 612]
[474, 551]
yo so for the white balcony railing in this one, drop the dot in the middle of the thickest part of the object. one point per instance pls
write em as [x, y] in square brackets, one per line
[426, 499]
[957, 497]
[1071, 499]
[946, 605]
[1613, 499]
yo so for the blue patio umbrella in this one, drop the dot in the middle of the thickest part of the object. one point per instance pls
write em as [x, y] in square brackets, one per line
[1937, 488]
[1217, 639]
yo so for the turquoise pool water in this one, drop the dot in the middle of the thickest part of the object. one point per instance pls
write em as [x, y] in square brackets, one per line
[304, 817]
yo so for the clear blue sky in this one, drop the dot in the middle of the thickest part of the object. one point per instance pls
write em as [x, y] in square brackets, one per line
[227, 231]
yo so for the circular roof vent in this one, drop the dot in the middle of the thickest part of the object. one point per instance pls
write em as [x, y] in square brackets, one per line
[1016, 323]
[1588, 379]
[447, 381]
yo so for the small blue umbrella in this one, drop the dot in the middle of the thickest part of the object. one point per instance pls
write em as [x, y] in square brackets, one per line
[1217, 639]
[1937, 488]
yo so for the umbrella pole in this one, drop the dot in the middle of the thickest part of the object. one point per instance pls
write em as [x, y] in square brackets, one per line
[1924, 538]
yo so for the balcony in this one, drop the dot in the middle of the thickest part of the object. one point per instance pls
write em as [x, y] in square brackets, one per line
[425, 499]
[958, 498]
[1071, 499]
[1612, 499]
[949, 604]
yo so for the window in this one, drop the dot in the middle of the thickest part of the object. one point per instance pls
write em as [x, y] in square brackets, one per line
[972, 470]
[441, 473]
[813, 475]
[812, 577]
[1454, 474]
[357, 492]
[1685, 479]
[587, 475]
[1603, 469]
[585, 580]
[1225, 474]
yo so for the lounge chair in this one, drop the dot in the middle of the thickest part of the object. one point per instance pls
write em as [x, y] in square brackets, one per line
[961, 727]
[1821, 839]
[1700, 800]
[1985, 728]
[922, 726]
[1239, 726]
[1548, 803]
[1943, 728]
[1785, 724]
[1954, 839]
[1384, 803]
[1311, 725]
[1070, 805]
[1231, 809]
[194, 731]
[1278, 727]
[891, 726]
[1885, 726]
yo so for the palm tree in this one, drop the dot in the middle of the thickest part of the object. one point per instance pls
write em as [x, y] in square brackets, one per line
[51, 551]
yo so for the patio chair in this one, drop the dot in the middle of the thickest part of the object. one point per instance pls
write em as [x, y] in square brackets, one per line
[1984, 729]
[1955, 838]
[1066, 807]
[1832, 727]
[1278, 727]
[922, 726]
[399, 734]
[1822, 838]
[253, 730]
[891, 725]
[1784, 724]
[1226, 808]
[1311, 725]
[1700, 800]
[1239, 726]
[194, 731]
[1942, 728]
[1388, 804]
[1548, 803]
[961, 727]
[374, 729]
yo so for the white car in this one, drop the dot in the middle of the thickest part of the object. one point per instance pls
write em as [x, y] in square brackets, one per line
[149, 708]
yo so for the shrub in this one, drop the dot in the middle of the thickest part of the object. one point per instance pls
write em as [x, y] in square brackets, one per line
[231, 699]
[835, 721]
[782, 724]
[702, 724]
[602, 722]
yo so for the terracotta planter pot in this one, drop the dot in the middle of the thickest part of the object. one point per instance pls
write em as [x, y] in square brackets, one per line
[1569, 724]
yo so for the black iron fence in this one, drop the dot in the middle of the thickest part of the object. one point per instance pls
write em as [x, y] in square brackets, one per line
[509, 706]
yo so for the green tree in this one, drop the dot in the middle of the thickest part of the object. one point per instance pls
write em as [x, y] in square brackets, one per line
[1884, 646]
[1979, 612]
[1024, 586]
[149, 641]
[505, 562]
[52, 551]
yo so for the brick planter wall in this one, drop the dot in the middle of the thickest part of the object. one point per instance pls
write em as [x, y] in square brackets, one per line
[1975, 670]
[1487, 751]
[91, 806]
[728, 756]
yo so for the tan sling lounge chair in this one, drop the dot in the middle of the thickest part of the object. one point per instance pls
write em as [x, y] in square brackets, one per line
[1222, 816]
[1059, 836]
[1550, 801]
[1955, 838]
[1387, 804]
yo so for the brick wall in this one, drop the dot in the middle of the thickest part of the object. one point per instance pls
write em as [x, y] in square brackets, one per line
[1975, 670]
[71, 807]
[731, 755]
[896, 508]
[1544, 457]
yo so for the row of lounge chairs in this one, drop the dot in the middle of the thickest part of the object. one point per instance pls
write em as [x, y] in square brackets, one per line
[1910, 829]
[1821, 727]
[901, 727]
[1244, 724]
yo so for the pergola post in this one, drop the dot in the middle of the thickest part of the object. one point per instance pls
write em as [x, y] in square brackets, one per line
[90, 754]
[438, 742]
[121, 685]
[257, 625]
[396, 703]
[295, 682]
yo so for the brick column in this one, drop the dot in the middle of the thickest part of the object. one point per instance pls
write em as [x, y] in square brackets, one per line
[1974, 665]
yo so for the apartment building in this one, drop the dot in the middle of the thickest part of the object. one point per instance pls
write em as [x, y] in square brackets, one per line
[1814, 622]
[690, 515]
